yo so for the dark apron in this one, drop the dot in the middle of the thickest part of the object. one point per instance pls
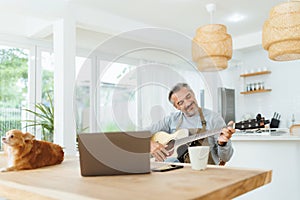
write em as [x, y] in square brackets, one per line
[183, 150]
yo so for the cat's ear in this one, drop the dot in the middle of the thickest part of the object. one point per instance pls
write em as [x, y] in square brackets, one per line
[28, 136]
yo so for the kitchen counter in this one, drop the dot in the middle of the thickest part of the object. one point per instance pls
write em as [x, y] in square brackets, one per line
[248, 137]
[265, 134]
[279, 152]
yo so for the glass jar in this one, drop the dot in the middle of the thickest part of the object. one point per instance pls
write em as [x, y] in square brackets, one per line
[262, 85]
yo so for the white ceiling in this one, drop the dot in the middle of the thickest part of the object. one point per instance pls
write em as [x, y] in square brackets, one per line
[33, 18]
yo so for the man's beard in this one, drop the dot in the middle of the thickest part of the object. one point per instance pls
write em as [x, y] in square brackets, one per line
[191, 112]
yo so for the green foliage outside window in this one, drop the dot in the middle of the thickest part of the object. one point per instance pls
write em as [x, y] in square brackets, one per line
[13, 87]
[13, 77]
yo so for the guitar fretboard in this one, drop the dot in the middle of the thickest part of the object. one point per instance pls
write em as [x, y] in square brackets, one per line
[241, 125]
[205, 134]
[194, 137]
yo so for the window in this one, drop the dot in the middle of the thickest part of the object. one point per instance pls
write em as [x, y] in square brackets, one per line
[106, 100]
[47, 75]
[14, 87]
[118, 97]
[82, 94]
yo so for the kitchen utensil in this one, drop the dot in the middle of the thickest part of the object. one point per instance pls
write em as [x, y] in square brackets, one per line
[275, 120]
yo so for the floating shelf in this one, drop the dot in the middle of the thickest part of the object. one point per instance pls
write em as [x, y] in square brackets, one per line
[256, 91]
[255, 73]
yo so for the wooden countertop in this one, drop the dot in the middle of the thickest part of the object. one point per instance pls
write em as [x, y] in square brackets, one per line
[65, 182]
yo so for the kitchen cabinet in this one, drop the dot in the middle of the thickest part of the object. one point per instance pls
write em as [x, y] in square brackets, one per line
[279, 153]
[257, 87]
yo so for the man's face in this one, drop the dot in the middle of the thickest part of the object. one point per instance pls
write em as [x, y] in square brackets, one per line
[185, 101]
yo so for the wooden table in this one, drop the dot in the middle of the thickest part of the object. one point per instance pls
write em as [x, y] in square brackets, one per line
[65, 182]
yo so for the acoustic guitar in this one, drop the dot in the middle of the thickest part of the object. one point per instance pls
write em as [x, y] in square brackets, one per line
[178, 142]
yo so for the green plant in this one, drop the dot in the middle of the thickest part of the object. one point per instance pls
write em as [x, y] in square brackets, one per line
[44, 117]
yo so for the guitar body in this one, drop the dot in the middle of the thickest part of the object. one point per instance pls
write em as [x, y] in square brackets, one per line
[169, 140]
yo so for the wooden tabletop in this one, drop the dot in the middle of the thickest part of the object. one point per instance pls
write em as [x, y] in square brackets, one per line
[65, 182]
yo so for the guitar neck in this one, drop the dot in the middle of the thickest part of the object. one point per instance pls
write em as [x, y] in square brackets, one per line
[195, 137]
[248, 124]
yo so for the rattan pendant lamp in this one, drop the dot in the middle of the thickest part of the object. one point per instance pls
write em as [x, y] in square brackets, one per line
[281, 32]
[211, 46]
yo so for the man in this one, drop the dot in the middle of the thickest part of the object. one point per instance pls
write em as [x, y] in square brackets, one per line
[197, 120]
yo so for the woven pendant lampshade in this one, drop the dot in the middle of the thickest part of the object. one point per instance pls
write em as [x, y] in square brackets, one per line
[211, 46]
[281, 32]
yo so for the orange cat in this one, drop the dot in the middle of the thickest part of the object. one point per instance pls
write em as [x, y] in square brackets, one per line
[25, 152]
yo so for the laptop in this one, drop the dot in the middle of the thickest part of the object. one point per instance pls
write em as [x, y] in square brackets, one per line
[114, 153]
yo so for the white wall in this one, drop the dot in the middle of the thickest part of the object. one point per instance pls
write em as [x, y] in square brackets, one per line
[284, 81]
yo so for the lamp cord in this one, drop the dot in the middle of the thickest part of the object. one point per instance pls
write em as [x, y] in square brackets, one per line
[211, 17]
[210, 9]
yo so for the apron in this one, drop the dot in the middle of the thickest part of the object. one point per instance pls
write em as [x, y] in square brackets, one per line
[202, 142]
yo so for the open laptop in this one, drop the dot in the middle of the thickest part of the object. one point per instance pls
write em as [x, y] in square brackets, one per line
[114, 153]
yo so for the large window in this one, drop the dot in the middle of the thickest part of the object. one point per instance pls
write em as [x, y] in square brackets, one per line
[105, 96]
[47, 75]
[14, 87]
[83, 66]
[82, 94]
[118, 97]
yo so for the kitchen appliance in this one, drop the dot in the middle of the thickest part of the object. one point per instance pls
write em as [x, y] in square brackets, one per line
[226, 104]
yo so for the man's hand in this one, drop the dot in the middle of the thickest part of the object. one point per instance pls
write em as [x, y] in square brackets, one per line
[159, 151]
[226, 134]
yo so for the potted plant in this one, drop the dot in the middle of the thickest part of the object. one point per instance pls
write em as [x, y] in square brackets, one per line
[44, 117]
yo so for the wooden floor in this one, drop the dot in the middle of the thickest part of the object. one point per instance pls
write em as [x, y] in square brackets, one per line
[65, 182]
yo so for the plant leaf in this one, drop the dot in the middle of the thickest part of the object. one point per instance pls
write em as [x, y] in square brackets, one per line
[44, 116]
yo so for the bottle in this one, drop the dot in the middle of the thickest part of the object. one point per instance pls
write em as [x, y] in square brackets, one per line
[262, 85]
[293, 119]
[259, 86]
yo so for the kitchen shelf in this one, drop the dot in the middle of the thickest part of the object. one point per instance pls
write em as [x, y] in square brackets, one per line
[255, 73]
[257, 91]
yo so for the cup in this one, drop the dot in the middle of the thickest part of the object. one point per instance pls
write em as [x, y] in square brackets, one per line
[199, 157]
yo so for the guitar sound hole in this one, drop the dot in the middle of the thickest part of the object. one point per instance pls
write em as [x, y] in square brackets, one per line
[170, 147]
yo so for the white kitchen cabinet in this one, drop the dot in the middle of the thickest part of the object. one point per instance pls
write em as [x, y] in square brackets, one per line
[279, 153]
